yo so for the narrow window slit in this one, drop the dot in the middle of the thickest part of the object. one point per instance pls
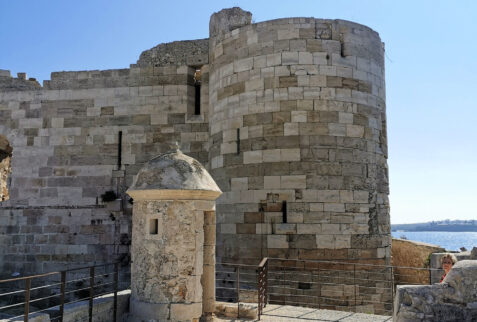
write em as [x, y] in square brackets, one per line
[153, 226]
[120, 144]
[284, 210]
[197, 84]
[238, 141]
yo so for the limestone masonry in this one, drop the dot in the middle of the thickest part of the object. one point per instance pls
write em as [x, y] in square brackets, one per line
[288, 116]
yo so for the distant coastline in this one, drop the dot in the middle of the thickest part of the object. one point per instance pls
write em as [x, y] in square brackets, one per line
[444, 225]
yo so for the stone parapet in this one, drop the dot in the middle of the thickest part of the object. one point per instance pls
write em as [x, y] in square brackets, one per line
[11, 84]
[188, 52]
[408, 254]
[452, 300]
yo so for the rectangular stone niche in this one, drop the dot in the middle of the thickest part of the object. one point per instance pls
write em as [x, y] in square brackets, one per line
[153, 226]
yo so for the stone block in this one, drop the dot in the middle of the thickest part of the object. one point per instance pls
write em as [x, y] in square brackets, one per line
[277, 241]
[330, 228]
[328, 196]
[290, 155]
[287, 34]
[285, 229]
[325, 241]
[360, 196]
[237, 184]
[334, 207]
[146, 311]
[243, 65]
[304, 229]
[185, 312]
[295, 217]
[274, 60]
[355, 131]
[245, 228]
[299, 116]
[342, 241]
[290, 129]
[290, 58]
[320, 58]
[271, 155]
[305, 58]
[337, 129]
[293, 182]
[263, 229]
[228, 228]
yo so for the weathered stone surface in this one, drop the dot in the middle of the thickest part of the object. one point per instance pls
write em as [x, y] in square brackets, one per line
[227, 20]
[408, 253]
[188, 52]
[174, 171]
[8, 83]
[453, 300]
[173, 240]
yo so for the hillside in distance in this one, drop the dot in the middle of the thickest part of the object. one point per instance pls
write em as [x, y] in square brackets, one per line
[442, 225]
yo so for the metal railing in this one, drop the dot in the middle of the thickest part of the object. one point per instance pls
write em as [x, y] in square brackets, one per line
[237, 283]
[262, 282]
[321, 284]
[354, 287]
[344, 286]
[97, 277]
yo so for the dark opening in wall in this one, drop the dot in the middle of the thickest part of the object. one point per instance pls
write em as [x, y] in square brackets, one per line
[5, 167]
[197, 92]
[153, 226]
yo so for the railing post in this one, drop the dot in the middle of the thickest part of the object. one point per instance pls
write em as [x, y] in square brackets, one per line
[354, 283]
[262, 285]
[116, 273]
[284, 285]
[91, 292]
[265, 278]
[62, 294]
[392, 285]
[238, 291]
[259, 291]
[27, 298]
[430, 276]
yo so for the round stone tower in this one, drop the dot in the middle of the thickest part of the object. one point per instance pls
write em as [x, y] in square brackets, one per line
[298, 139]
[173, 240]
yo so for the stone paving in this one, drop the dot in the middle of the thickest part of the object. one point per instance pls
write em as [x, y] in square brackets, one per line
[279, 313]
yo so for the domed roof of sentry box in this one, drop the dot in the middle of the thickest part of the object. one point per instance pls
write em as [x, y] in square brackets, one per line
[174, 175]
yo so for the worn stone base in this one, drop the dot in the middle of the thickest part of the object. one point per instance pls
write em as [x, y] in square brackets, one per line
[143, 311]
[233, 310]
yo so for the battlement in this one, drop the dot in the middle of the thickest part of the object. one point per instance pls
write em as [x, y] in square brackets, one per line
[126, 77]
[21, 83]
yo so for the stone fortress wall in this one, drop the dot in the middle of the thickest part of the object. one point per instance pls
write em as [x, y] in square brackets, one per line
[296, 141]
[297, 115]
[65, 140]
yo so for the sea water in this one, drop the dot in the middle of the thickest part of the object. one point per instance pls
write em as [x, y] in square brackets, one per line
[445, 239]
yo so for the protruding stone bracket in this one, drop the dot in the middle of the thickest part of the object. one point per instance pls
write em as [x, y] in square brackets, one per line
[174, 194]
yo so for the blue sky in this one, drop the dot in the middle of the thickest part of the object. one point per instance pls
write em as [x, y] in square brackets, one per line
[431, 69]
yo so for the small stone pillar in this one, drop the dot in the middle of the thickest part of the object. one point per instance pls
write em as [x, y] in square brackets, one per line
[173, 240]
[208, 278]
